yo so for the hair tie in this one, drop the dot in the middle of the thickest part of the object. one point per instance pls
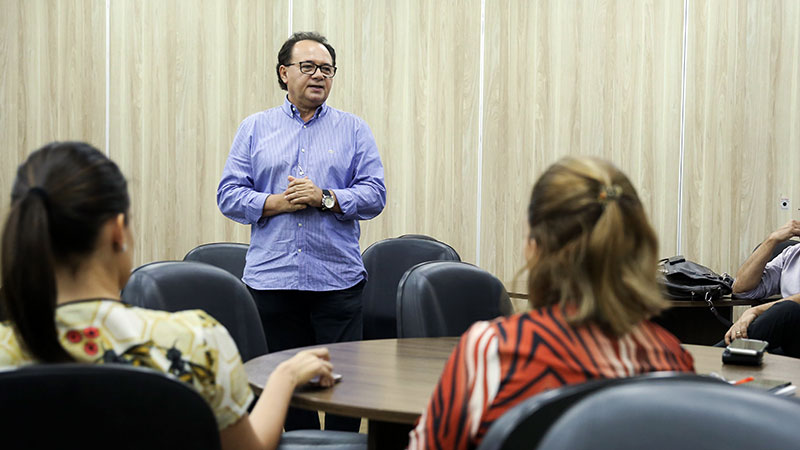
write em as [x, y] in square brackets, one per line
[36, 190]
[608, 193]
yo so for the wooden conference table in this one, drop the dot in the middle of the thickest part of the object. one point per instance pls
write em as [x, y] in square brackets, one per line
[389, 381]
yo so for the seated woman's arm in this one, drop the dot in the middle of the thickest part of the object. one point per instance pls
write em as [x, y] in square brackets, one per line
[262, 429]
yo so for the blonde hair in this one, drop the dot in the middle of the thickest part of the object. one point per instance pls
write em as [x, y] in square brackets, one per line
[596, 251]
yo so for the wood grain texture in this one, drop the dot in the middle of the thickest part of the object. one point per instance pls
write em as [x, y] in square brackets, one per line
[742, 127]
[410, 69]
[185, 74]
[597, 78]
[388, 379]
[52, 79]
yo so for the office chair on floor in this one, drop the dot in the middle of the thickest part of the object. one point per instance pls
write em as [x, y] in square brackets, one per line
[229, 256]
[653, 411]
[386, 261]
[181, 285]
[443, 298]
[102, 406]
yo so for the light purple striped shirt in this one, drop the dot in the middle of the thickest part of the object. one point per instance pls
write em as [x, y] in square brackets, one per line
[780, 276]
[307, 250]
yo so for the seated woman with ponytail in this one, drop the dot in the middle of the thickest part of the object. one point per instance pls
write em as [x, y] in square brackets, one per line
[592, 285]
[66, 254]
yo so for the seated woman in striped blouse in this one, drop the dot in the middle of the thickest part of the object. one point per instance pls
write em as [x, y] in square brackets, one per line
[592, 285]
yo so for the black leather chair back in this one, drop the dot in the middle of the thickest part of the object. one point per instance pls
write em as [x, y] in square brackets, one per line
[102, 406]
[181, 285]
[386, 261]
[653, 411]
[225, 255]
[443, 298]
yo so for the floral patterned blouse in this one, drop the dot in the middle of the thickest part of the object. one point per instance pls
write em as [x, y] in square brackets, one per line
[188, 345]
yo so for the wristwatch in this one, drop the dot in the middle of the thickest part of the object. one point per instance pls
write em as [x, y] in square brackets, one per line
[327, 200]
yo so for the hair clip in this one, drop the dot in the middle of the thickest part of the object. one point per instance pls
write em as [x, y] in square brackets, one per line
[607, 193]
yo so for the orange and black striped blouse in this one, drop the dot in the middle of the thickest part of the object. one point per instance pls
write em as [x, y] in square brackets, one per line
[498, 364]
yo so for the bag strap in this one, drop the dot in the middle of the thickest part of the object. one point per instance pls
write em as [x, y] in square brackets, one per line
[708, 299]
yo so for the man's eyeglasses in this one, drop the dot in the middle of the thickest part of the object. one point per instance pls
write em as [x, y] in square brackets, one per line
[309, 68]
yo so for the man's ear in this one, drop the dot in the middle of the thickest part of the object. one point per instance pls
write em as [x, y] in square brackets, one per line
[282, 72]
[118, 237]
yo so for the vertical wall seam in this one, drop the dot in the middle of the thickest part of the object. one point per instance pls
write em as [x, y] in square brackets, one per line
[291, 13]
[108, 76]
[479, 200]
[683, 125]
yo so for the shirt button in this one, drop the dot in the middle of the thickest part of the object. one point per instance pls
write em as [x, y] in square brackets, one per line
[299, 250]
[299, 224]
[303, 150]
[304, 126]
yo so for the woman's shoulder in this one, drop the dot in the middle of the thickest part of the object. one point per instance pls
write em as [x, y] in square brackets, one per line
[11, 353]
[116, 326]
[189, 345]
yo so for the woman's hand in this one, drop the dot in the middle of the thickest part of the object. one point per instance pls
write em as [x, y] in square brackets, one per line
[307, 364]
[739, 329]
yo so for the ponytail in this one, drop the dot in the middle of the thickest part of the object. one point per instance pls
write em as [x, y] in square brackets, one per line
[62, 195]
[596, 250]
[28, 276]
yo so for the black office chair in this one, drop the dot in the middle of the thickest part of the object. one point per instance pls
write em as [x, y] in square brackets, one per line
[386, 261]
[225, 255]
[181, 285]
[654, 411]
[443, 298]
[102, 406]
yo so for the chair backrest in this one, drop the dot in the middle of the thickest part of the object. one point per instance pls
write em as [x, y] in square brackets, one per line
[653, 411]
[102, 406]
[181, 285]
[683, 414]
[443, 298]
[386, 261]
[225, 255]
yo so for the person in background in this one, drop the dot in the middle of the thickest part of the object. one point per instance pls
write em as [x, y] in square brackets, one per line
[776, 322]
[302, 175]
[66, 255]
[592, 285]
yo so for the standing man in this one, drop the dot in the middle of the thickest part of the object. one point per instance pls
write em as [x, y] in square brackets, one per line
[302, 175]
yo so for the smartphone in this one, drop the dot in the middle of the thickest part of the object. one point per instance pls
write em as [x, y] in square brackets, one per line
[751, 347]
[337, 377]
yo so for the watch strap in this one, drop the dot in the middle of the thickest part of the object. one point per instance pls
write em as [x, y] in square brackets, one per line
[325, 194]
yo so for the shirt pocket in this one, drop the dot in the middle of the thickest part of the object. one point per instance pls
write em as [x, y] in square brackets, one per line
[337, 162]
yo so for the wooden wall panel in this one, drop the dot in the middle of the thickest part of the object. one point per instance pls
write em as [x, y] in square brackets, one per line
[184, 75]
[598, 78]
[411, 70]
[742, 127]
[52, 79]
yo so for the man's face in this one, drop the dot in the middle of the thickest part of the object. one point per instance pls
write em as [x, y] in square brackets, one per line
[307, 91]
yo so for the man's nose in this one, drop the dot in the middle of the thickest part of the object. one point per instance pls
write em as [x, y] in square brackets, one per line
[317, 75]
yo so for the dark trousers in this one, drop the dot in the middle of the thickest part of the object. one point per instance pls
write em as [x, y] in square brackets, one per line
[780, 326]
[294, 319]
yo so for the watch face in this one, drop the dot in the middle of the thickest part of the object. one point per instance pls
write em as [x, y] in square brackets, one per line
[327, 202]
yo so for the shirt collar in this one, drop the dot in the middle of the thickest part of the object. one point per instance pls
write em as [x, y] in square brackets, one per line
[291, 110]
